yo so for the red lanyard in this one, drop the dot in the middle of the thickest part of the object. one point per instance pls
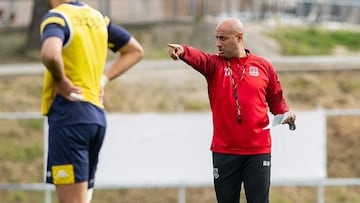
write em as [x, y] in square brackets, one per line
[234, 86]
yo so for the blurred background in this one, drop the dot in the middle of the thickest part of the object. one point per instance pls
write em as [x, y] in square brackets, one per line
[18, 12]
[313, 44]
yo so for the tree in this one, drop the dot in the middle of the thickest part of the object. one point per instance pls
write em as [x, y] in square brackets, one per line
[33, 35]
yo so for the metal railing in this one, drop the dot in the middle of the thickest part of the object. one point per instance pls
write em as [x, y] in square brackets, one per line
[319, 184]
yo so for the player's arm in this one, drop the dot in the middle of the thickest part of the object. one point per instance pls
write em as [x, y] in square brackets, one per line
[54, 35]
[52, 31]
[129, 49]
[130, 54]
[51, 57]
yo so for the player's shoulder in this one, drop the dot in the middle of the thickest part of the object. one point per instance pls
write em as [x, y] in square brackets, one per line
[52, 13]
[53, 18]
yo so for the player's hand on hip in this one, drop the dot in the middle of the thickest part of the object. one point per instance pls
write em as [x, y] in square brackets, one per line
[66, 89]
[175, 51]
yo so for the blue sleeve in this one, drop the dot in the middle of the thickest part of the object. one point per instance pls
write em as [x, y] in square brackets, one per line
[54, 29]
[118, 36]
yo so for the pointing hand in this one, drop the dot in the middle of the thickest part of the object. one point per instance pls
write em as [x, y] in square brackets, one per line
[175, 51]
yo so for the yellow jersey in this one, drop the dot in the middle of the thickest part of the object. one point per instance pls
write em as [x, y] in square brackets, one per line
[84, 52]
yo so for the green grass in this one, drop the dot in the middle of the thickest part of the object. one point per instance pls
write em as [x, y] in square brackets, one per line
[314, 41]
[26, 130]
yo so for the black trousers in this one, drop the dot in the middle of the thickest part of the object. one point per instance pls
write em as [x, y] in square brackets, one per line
[230, 171]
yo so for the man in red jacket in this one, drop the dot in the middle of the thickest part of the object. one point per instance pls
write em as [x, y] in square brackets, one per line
[242, 88]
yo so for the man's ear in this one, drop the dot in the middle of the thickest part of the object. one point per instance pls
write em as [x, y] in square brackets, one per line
[239, 36]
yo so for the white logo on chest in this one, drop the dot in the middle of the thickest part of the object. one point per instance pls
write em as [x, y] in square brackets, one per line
[227, 71]
[254, 71]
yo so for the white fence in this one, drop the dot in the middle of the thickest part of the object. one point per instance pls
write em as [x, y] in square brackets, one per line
[319, 181]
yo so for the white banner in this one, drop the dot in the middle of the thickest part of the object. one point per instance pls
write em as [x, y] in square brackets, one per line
[172, 149]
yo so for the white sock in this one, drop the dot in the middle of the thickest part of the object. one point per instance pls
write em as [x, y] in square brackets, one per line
[90, 194]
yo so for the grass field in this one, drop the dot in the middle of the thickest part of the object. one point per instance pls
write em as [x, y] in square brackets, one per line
[21, 140]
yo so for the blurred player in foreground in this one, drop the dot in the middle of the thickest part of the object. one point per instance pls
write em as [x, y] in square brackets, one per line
[75, 40]
[242, 87]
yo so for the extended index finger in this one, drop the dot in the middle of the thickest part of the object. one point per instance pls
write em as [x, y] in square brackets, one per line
[172, 45]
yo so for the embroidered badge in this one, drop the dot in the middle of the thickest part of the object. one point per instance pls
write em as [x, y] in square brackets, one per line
[266, 163]
[254, 71]
[63, 174]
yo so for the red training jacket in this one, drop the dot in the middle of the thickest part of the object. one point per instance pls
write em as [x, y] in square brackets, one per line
[258, 91]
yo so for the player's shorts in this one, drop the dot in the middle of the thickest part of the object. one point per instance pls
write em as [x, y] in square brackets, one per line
[231, 171]
[73, 153]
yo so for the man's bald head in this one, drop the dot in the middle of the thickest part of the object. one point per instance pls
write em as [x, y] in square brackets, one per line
[233, 25]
